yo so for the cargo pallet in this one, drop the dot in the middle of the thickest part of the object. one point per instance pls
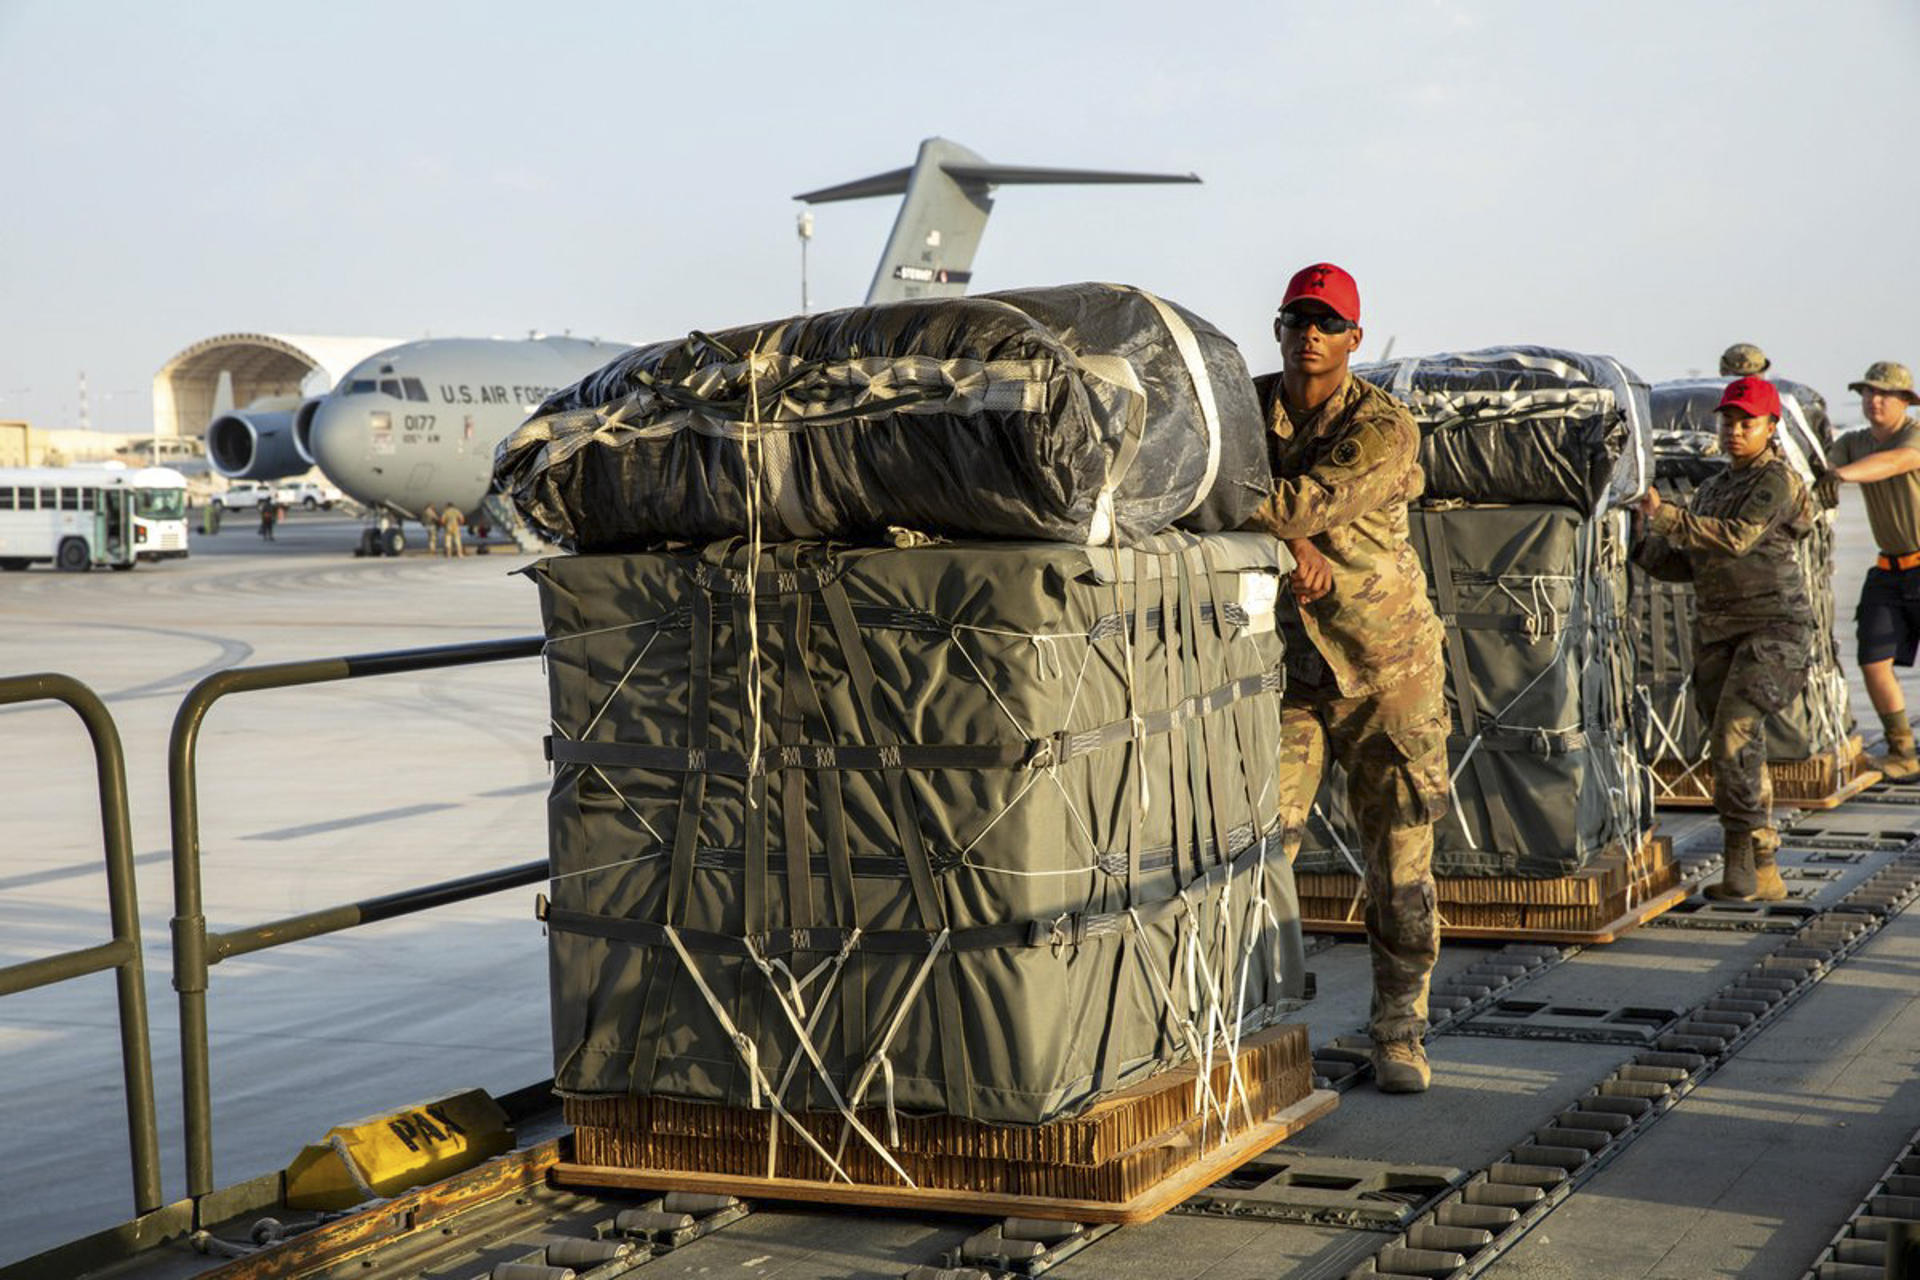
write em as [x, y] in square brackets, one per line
[1128, 1159]
[1825, 781]
[1611, 896]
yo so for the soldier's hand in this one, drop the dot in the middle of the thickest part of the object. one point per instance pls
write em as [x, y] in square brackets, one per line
[1826, 488]
[1649, 502]
[1312, 575]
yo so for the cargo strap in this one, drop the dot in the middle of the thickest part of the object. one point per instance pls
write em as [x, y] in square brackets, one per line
[1440, 559]
[1522, 740]
[1046, 752]
[1070, 929]
[1196, 365]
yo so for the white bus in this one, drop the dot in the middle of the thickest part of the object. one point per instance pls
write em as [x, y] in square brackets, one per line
[77, 517]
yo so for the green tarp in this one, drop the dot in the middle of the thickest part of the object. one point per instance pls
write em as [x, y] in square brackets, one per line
[1539, 681]
[997, 835]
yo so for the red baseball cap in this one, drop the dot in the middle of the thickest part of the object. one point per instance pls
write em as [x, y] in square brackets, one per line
[1755, 397]
[1324, 282]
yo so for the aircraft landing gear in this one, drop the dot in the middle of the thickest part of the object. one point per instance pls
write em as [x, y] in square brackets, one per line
[384, 539]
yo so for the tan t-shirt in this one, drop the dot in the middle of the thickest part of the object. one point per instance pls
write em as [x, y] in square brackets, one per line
[1893, 505]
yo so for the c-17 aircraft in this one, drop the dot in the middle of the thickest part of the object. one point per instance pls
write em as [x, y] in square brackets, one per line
[417, 424]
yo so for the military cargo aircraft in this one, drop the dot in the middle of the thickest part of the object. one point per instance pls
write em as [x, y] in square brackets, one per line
[417, 424]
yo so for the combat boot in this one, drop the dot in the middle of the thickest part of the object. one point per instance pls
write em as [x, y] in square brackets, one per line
[1400, 1066]
[1901, 763]
[1768, 886]
[1737, 881]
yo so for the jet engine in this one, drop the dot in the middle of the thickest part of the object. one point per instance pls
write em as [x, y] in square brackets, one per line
[303, 428]
[254, 444]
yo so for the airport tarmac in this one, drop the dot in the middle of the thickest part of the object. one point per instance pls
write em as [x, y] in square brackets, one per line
[309, 797]
[323, 795]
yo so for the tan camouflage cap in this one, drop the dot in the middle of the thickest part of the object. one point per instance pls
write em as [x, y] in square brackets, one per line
[1886, 375]
[1743, 360]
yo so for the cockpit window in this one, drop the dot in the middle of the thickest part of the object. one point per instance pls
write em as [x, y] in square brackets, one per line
[391, 387]
[360, 387]
[416, 390]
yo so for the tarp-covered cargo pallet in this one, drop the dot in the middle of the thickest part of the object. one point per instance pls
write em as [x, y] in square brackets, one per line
[1006, 842]
[1813, 757]
[1612, 895]
[1545, 771]
[1128, 1158]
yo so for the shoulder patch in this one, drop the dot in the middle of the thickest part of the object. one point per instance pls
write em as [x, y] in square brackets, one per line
[1346, 453]
[1772, 492]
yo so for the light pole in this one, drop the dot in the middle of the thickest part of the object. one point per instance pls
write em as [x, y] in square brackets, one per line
[804, 226]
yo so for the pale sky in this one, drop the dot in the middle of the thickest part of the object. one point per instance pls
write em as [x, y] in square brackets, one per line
[1648, 180]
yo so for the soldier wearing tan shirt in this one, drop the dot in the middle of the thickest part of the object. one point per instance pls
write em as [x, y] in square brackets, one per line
[1883, 458]
[1363, 644]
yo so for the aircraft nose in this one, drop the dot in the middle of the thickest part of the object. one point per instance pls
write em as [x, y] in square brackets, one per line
[340, 437]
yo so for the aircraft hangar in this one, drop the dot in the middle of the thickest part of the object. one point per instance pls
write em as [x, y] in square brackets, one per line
[256, 366]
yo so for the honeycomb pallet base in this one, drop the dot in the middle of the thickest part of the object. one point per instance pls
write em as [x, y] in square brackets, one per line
[1825, 782]
[1597, 904]
[1122, 1152]
[1150, 1203]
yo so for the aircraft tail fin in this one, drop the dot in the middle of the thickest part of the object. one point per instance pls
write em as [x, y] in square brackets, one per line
[949, 195]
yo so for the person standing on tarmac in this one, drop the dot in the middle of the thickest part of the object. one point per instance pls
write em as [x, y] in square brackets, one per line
[1883, 458]
[430, 517]
[452, 518]
[1744, 360]
[1364, 672]
[1753, 623]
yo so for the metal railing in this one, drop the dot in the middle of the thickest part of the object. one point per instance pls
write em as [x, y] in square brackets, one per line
[122, 954]
[196, 949]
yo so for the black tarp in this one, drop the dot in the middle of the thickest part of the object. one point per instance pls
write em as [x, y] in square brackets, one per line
[1525, 424]
[1079, 413]
[1687, 405]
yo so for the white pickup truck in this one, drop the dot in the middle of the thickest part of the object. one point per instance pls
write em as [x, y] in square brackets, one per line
[309, 495]
[243, 495]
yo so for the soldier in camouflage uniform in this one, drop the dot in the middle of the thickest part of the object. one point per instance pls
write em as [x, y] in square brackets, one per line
[1743, 360]
[1753, 623]
[1363, 645]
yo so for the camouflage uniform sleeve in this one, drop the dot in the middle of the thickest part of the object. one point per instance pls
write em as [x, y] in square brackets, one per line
[1661, 559]
[1774, 499]
[1362, 473]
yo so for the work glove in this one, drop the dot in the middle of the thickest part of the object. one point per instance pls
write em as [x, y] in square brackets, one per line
[1826, 488]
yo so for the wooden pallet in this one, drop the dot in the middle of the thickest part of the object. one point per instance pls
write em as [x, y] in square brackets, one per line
[1613, 895]
[1827, 781]
[1147, 1205]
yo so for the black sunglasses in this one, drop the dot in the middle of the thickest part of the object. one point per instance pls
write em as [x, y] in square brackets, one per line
[1325, 321]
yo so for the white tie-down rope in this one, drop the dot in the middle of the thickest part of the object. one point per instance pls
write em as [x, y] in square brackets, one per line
[601, 631]
[621, 684]
[753, 460]
[1190, 1038]
[758, 1084]
[802, 1033]
[880, 1063]
[1668, 730]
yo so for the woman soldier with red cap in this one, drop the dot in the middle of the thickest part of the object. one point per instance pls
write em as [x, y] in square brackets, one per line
[1753, 626]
